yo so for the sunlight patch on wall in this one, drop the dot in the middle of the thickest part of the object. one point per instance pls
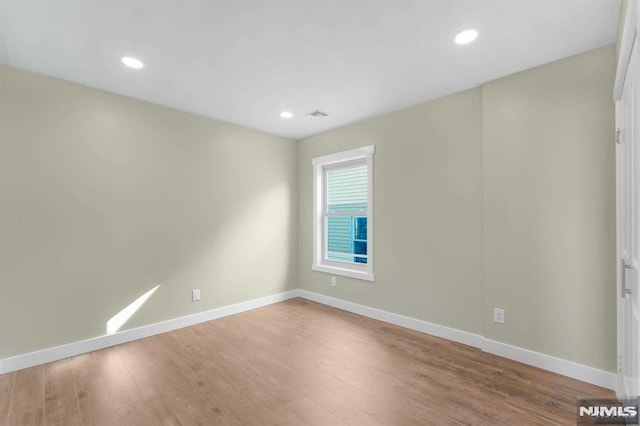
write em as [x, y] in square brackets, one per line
[119, 319]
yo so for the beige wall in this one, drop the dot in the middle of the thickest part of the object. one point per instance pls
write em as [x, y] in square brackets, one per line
[501, 195]
[538, 145]
[428, 211]
[549, 208]
[103, 197]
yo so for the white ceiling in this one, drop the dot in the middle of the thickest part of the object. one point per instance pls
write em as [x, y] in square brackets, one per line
[245, 61]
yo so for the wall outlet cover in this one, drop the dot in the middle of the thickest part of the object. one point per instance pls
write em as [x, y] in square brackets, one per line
[195, 295]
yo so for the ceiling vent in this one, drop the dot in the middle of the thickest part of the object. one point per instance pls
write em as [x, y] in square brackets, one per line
[318, 114]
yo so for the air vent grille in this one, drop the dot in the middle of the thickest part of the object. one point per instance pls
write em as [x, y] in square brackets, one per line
[318, 114]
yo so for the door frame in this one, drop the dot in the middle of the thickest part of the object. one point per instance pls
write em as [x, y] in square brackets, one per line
[629, 38]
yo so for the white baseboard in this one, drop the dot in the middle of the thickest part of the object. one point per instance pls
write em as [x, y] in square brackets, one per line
[550, 363]
[536, 359]
[56, 353]
[567, 368]
[448, 333]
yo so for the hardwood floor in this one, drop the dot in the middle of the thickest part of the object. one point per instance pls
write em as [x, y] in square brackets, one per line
[293, 363]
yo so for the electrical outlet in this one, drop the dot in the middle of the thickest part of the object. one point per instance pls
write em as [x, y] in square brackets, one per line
[195, 295]
[333, 281]
[498, 315]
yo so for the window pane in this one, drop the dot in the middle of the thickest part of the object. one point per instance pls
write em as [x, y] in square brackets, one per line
[360, 247]
[360, 229]
[347, 189]
[343, 241]
[339, 237]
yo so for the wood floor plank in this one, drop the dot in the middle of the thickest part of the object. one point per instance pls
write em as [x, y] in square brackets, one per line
[292, 363]
[370, 373]
[95, 402]
[27, 404]
[162, 376]
[115, 376]
[7, 382]
[140, 414]
[402, 400]
[359, 374]
[352, 415]
[61, 400]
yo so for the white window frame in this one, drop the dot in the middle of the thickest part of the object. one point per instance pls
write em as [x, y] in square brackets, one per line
[320, 166]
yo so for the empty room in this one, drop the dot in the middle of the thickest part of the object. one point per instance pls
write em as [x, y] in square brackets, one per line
[340, 212]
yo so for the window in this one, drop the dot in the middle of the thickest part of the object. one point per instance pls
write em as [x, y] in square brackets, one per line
[342, 213]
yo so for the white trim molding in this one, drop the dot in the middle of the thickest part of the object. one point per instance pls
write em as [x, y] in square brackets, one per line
[561, 366]
[339, 157]
[629, 35]
[320, 260]
[525, 356]
[56, 353]
[551, 363]
[345, 272]
[426, 327]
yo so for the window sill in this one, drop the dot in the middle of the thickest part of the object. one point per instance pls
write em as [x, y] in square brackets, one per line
[360, 275]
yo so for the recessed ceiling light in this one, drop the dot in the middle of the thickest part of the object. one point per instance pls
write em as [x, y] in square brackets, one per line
[132, 62]
[466, 36]
[286, 114]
